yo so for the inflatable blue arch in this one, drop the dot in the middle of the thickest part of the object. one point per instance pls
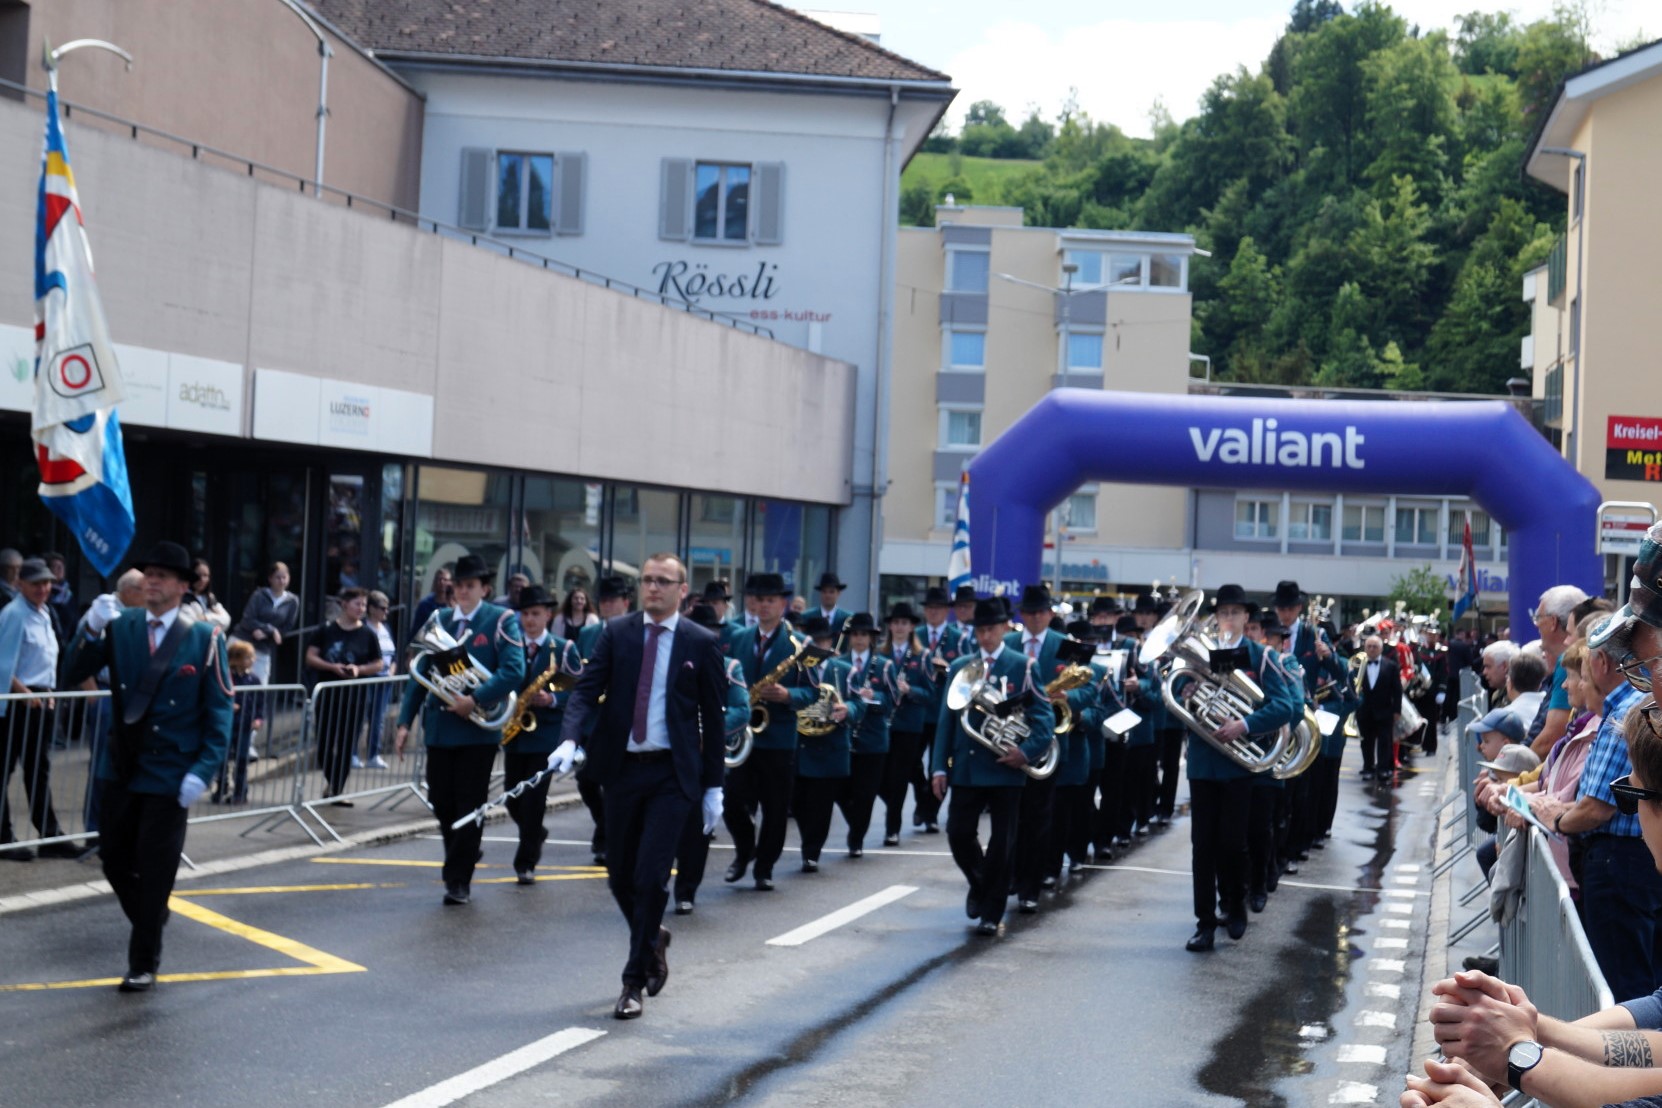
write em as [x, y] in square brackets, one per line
[1481, 449]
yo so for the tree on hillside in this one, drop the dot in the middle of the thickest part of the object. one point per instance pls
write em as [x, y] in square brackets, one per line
[1551, 50]
[1327, 107]
[1487, 42]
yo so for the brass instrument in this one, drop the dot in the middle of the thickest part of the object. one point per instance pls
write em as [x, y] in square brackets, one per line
[1303, 751]
[444, 668]
[740, 743]
[1357, 664]
[1076, 674]
[999, 732]
[816, 720]
[525, 717]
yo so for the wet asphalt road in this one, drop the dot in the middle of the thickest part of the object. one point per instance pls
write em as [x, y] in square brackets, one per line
[380, 993]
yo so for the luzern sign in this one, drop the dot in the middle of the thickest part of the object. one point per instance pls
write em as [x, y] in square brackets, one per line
[1382, 448]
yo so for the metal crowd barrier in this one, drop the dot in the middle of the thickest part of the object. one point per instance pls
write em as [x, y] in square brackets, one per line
[261, 776]
[1543, 949]
[50, 743]
[353, 728]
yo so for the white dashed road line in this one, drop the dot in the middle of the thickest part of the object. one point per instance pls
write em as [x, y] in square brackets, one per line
[814, 930]
[1362, 1053]
[1353, 1092]
[499, 1069]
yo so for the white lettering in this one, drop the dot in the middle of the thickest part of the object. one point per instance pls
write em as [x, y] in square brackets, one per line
[1204, 452]
[1267, 444]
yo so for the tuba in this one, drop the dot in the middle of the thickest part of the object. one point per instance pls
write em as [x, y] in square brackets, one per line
[1303, 751]
[444, 668]
[998, 731]
[1201, 699]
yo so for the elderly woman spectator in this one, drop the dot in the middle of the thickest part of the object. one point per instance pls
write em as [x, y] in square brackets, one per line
[1525, 677]
[200, 596]
[575, 614]
[1496, 660]
[270, 613]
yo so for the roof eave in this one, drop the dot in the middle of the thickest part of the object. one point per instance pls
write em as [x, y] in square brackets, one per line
[1575, 99]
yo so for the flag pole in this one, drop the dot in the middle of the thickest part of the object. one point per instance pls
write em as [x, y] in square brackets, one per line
[49, 57]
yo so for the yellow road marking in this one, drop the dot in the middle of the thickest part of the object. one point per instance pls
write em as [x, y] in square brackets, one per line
[385, 862]
[541, 877]
[253, 889]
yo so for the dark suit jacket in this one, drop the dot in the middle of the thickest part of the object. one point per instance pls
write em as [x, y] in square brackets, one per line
[1384, 699]
[696, 697]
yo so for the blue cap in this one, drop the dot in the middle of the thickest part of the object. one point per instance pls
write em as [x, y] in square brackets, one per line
[1503, 720]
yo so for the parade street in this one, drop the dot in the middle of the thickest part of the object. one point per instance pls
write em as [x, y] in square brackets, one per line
[340, 976]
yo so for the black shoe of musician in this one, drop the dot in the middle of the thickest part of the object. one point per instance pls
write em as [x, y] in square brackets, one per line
[735, 872]
[891, 840]
[456, 893]
[1258, 902]
[932, 828]
[1048, 883]
[1201, 941]
[628, 1004]
[683, 907]
[1236, 923]
[989, 929]
[600, 857]
[1318, 844]
[810, 865]
[1272, 880]
[972, 905]
[17, 853]
[137, 982]
[856, 852]
[1027, 907]
[1104, 854]
[764, 884]
[659, 977]
[526, 877]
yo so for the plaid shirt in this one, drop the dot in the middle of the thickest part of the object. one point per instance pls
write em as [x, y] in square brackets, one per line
[1607, 760]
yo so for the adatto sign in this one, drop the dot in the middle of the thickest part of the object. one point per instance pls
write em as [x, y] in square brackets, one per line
[1633, 449]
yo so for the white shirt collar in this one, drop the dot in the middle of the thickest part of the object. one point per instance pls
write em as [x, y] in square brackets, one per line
[668, 625]
[468, 615]
[166, 617]
[858, 658]
[993, 657]
[1028, 636]
[542, 638]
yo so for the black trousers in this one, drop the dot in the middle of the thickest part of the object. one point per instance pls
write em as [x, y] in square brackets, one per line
[1070, 828]
[1170, 745]
[141, 839]
[27, 744]
[764, 780]
[1431, 712]
[594, 799]
[1297, 831]
[903, 769]
[988, 872]
[815, 800]
[692, 855]
[1324, 788]
[528, 809]
[646, 811]
[458, 777]
[1261, 834]
[1140, 784]
[925, 808]
[1111, 783]
[859, 795]
[1034, 824]
[1376, 744]
[1218, 816]
[337, 735]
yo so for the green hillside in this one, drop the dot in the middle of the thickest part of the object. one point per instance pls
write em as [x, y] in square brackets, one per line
[972, 180]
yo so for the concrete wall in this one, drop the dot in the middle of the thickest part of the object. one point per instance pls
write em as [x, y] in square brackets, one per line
[239, 75]
[206, 262]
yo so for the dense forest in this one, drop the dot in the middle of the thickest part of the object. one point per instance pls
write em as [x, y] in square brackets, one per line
[1362, 194]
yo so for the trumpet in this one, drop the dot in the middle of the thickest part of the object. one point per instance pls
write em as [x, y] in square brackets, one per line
[998, 732]
[444, 668]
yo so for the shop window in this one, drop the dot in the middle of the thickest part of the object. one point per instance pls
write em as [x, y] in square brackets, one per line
[559, 545]
[1257, 520]
[1364, 523]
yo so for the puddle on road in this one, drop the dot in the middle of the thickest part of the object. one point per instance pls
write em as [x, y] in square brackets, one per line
[1295, 1008]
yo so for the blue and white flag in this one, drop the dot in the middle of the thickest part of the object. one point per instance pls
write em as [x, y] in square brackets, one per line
[1467, 577]
[83, 470]
[958, 564]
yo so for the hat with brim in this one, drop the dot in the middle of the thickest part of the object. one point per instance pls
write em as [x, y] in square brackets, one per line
[860, 623]
[1106, 606]
[33, 570]
[765, 584]
[990, 612]
[534, 596]
[170, 556]
[1230, 594]
[705, 616]
[471, 567]
[901, 610]
[1146, 603]
[936, 597]
[613, 588]
[716, 590]
[1287, 595]
[1606, 630]
[1513, 759]
[1502, 721]
[1035, 598]
[1126, 625]
[964, 594]
[1644, 593]
[1081, 629]
[829, 580]
[816, 626]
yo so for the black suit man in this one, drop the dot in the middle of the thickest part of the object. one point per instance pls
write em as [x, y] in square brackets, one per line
[1381, 704]
[657, 749]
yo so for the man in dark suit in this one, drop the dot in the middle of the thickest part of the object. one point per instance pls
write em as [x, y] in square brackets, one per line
[1381, 705]
[657, 749]
[170, 691]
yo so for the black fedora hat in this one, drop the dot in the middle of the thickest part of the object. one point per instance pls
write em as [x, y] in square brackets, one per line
[716, 590]
[902, 610]
[1081, 629]
[471, 567]
[614, 587]
[1106, 605]
[935, 596]
[965, 594]
[1146, 603]
[1263, 617]
[991, 612]
[1035, 598]
[860, 621]
[705, 616]
[169, 556]
[533, 596]
[816, 626]
[766, 584]
[829, 580]
[1126, 625]
[1287, 595]
[1230, 594]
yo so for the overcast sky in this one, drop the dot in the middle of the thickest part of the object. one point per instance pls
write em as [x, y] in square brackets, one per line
[1123, 56]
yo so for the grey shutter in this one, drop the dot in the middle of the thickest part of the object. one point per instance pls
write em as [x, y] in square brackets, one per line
[675, 199]
[475, 207]
[570, 171]
[767, 198]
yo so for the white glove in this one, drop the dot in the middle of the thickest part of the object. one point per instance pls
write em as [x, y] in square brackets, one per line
[712, 808]
[189, 789]
[563, 759]
[1442, 696]
[102, 613]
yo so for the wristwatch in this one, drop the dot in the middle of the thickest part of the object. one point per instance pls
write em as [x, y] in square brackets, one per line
[1522, 1057]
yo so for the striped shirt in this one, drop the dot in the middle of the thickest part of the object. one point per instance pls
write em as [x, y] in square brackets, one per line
[1607, 760]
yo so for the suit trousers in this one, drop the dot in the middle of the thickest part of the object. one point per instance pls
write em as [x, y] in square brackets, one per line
[594, 799]
[1112, 785]
[1261, 834]
[816, 798]
[764, 780]
[1218, 817]
[859, 795]
[1069, 828]
[1139, 786]
[1297, 831]
[1376, 744]
[646, 812]
[458, 779]
[1169, 743]
[988, 872]
[1324, 786]
[925, 808]
[1034, 824]
[528, 809]
[26, 744]
[141, 840]
[903, 769]
[692, 855]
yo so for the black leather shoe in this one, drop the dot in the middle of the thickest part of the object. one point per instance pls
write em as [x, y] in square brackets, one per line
[1289, 870]
[60, 850]
[628, 1004]
[810, 865]
[1201, 941]
[989, 929]
[1048, 883]
[856, 852]
[891, 840]
[735, 872]
[525, 876]
[456, 894]
[683, 907]
[1318, 844]
[1236, 924]
[972, 905]
[1027, 907]
[17, 854]
[600, 857]
[1490, 966]
[659, 977]
[1301, 856]
[1272, 880]
[764, 884]
[1258, 902]
[1104, 854]
[932, 828]
[137, 982]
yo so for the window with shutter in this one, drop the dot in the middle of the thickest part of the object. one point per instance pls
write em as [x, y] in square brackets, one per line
[769, 203]
[675, 199]
[570, 168]
[475, 195]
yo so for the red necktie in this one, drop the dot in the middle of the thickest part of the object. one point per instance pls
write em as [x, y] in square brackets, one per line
[643, 687]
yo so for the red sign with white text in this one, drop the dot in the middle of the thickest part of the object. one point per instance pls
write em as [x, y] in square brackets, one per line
[1633, 449]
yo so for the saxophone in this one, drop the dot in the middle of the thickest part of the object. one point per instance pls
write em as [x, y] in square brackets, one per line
[549, 680]
[759, 711]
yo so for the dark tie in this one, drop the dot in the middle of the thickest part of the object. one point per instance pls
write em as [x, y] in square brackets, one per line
[643, 688]
[155, 625]
[763, 641]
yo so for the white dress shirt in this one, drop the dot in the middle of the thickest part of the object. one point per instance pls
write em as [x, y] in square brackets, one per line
[657, 727]
[37, 659]
[157, 634]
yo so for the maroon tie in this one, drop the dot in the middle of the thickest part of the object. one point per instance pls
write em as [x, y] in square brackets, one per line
[155, 625]
[643, 688]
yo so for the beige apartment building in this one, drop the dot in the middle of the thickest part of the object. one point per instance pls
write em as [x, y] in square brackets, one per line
[1592, 350]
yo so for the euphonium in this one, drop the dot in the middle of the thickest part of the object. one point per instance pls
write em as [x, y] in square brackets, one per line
[525, 716]
[444, 668]
[1214, 699]
[815, 720]
[970, 689]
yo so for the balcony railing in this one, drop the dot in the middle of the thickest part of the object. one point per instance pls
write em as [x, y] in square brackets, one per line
[1552, 400]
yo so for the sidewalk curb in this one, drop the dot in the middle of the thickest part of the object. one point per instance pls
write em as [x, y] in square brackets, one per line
[1434, 963]
[85, 890]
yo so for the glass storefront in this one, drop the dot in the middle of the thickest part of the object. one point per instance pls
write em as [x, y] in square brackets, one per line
[460, 511]
[715, 547]
[644, 522]
[559, 536]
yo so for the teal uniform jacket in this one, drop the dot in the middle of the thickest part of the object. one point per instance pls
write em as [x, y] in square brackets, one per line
[1084, 746]
[965, 761]
[780, 733]
[1147, 702]
[839, 616]
[1044, 672]
[537, 660]
[1329, 673]
[187, 728]
[725, 633]
[828, 755]
[872, 736]
[949, 644]
[912, 707]
[495, 641]
[1206, 762]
